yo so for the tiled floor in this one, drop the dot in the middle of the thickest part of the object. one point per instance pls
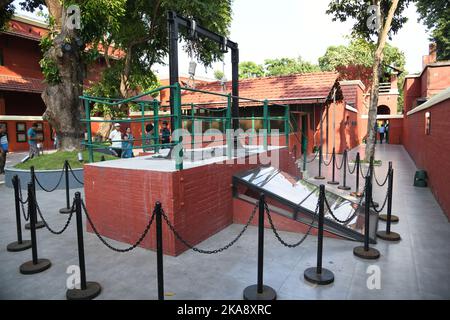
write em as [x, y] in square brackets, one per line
[415, 268]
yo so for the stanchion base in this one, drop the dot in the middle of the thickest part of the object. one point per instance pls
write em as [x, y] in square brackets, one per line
[356, 194]
[375, 204]
[325, 277]
[251, 293]
[344, 188]
[38, 225]
[383, 217]
[319, 177]
[65, 210]
[333, 182]
[370, 254]
[16, 246]
[30, 268]
[391, 236]
[92, 290]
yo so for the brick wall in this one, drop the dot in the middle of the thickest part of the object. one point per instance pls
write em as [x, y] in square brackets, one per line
[198, 201]
[430, 152]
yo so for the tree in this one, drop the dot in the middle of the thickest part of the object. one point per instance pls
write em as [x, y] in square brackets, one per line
[436, 16]
[355, 60]
[137, 28]
[249, 69]
[287, 66]
[218, 74]
[388, 18]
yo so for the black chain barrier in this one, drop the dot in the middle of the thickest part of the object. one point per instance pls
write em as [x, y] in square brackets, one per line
[367, 172]
[354, 214]
[314, 158]
[138, 242]
[48, 226]
[354, 167]
[342, 162]
[385, 179]
[26, 216]
[187, 244]
[372, 204]
[51, 189]
[73, 174]
[277, 235]
[329, 162]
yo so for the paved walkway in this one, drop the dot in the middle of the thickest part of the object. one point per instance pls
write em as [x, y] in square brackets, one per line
[415, 268]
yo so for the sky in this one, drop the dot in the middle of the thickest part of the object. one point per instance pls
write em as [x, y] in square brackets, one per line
[267, 29]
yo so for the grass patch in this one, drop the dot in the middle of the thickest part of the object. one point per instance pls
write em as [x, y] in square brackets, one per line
[55, 161]
[375, 162]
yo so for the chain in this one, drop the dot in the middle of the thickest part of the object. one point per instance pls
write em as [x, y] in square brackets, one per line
[52, 189]
[47, 225]
[342, 163]
[314, 158]
[362, 174]
[187, 244]
[354, 167]
[147, 228]
[22, 203]
[329, 162]
[384, 203]
[355, 213]
[275, 232]
[385, 179]
[73, 174]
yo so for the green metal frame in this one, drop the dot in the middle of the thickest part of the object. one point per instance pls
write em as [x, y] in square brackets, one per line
[178, 117]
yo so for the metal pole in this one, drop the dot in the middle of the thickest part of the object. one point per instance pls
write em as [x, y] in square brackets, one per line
[319, 176]
[368, 198]
[159, 251]
[261, 243]
[235, 86]
[173, 59]
[305, 148]
[37, 224]
[35, 265]
[265, 124]
[344, 166]
[333, 159]
[67, 209]
[20, 244]
[389, 204]
[89, 129]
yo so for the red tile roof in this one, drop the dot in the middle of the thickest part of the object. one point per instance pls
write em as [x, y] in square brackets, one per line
[295, 89]
[21, 84]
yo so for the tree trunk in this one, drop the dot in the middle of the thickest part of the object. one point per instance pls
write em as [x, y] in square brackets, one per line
[64, 108]
[372, 116]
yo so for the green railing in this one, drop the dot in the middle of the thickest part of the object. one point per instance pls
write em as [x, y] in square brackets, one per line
[226, 119]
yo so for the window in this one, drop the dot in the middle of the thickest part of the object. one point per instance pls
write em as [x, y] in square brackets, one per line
[427, 123]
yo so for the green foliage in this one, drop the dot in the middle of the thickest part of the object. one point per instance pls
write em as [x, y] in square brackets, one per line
[50, 70]
[356, 10]
[218, 74]
[435, 14]
[5, 15]
[287, 66]
[249, 69]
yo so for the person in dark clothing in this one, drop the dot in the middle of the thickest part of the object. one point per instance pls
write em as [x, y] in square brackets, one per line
[381, 130]
[165, 133]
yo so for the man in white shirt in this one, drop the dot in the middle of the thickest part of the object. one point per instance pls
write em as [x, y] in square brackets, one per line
[115, 137]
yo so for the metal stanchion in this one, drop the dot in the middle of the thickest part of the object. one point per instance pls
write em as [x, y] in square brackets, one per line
[38, 224]
[319, 275]
[88, 290]
[333, 160]
[370, 174]
[67, 209]
[383, 217]
[260, 291]
[319, 176]
[159, 251]
[35, 265]
[344, 166]
[388, 234]
[356, 193]
[366, 252]
[20, 244]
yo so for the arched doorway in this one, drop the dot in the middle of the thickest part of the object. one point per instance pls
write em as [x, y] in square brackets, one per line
[383, 109]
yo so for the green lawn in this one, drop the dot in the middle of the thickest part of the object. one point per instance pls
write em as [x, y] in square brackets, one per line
[56, 160]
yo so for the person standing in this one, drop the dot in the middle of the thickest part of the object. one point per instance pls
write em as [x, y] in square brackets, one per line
[127, 144]
[148, 138]
[386, 129]
[115, 137]
[381, 130]
[3, 147]
[165, 133]
[33, 140]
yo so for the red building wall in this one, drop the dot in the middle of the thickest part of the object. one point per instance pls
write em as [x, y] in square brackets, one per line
[431, 152]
